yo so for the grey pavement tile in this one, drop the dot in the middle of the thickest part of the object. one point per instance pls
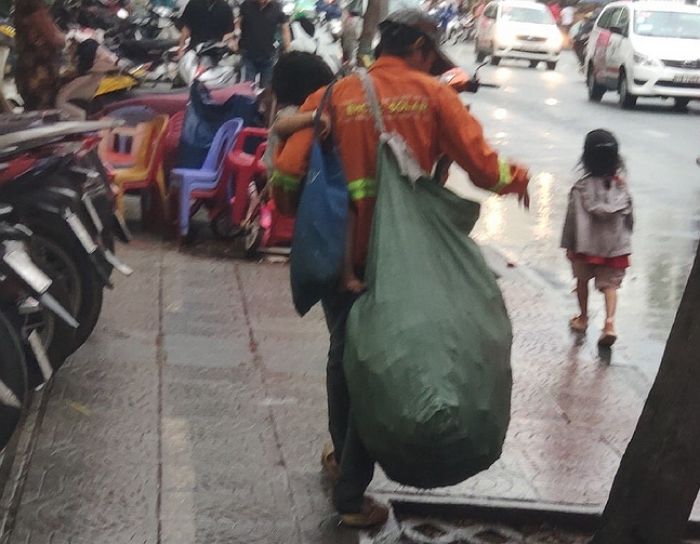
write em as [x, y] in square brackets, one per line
[105, 350]
[238, 516]
[193, 350]
[292, 352]
[207, 443]
[225, 400]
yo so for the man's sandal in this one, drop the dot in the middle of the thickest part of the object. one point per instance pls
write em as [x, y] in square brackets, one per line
[372, 514]
[578, 324]
[329, 463]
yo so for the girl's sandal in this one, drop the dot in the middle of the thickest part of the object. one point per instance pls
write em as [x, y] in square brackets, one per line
[578, 324]
[609, 336]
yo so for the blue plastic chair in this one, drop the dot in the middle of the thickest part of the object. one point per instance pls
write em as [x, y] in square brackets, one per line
[204, 182]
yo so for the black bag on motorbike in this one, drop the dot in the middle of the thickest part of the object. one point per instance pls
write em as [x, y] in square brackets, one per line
[203, 118]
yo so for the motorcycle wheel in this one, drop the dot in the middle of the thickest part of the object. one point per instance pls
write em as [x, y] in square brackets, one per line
[56, 336]
[58, 253]
[13, 380]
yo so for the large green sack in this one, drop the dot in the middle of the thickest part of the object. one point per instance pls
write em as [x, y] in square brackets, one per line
[427, 356]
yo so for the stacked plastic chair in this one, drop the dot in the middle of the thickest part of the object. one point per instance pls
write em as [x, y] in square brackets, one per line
[207, 182]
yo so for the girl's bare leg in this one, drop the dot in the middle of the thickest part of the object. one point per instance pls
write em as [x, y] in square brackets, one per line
[582, 294]
[610, 309]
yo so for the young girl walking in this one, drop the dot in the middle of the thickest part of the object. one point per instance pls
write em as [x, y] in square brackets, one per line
[598, 229]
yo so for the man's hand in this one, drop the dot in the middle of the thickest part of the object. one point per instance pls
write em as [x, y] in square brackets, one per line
[324, 125]
[520, 180]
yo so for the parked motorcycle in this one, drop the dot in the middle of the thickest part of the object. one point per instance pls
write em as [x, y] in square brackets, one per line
[58, 189]
[212, 63]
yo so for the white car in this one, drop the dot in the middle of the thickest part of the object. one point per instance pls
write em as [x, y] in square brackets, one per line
[645, 49]
[518, 29]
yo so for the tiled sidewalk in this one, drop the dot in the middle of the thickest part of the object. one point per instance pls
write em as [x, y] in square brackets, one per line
[197, 413]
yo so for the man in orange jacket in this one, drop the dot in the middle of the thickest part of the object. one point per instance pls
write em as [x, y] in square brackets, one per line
[434, 123]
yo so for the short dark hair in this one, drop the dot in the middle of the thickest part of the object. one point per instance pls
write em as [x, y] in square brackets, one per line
[297, 75]
[397, 39]
[601, 154]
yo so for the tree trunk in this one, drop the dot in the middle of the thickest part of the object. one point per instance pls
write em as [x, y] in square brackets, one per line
[659, 476]
[375, 13]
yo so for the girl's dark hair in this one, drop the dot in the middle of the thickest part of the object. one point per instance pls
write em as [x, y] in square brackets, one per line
[297, 75]
[601, 154]
[397, 39]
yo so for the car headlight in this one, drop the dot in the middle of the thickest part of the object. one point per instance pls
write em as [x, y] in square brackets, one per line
[555, 41]
[644, 60]
[505, 38]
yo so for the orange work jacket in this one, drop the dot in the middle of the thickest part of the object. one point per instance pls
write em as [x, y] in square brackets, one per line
[427, 114]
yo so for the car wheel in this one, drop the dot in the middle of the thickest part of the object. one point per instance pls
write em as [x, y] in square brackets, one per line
[534, 63]
[627, 100]
[495, 60]
[551, 66]
[595, 91]
[681, 104]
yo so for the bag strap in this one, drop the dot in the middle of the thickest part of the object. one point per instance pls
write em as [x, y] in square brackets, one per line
[372, 99]
[325, 102]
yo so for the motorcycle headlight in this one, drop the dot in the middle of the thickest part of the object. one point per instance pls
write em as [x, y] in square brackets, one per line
[644, 60]
[288, 9]
[122, 13]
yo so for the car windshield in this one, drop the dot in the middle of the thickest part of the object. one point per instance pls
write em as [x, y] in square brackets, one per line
[667, 24]
[527, 15]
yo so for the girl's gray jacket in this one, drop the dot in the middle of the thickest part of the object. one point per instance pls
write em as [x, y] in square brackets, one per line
[599, 219]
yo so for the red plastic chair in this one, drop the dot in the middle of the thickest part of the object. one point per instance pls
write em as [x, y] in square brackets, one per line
[242, 168]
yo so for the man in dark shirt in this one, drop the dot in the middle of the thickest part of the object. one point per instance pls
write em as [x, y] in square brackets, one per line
[260, 21]
[204, 21]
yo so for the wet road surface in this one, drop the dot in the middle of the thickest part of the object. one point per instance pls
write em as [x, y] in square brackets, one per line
[541, 118]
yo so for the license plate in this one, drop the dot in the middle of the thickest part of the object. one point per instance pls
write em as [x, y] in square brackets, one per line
[81, 232]
[21, 264]
[40, 354]
[686, 78]
[92, 212]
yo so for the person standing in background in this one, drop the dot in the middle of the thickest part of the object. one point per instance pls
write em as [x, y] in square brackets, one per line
[39, 44]
[205, 21]
[568, 14]
[259, 23]
[555, 10]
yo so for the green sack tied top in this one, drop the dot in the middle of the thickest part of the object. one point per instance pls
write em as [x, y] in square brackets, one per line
[427, 356]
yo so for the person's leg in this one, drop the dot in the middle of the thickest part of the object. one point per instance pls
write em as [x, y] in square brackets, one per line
[265, 67]
[610, 295]
[356, 466]
[583, 274]
[356, 472]
[336, 308]
[248, 69]
[582, 295]
[608, 281]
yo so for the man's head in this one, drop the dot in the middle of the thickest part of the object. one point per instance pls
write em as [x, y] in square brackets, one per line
[414, 36]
